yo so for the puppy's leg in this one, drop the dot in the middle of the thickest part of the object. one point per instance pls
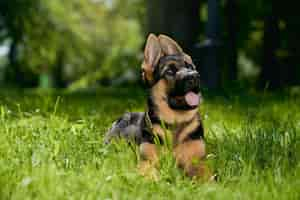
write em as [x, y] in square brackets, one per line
[189, 156]
[149, 160]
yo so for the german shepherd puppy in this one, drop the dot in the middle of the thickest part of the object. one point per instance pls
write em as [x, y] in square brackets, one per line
[173, 103]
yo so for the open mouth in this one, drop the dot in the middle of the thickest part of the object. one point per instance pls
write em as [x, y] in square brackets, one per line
[192, 99]
[189, 100]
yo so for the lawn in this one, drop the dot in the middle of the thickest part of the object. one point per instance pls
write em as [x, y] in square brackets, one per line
[52, 147]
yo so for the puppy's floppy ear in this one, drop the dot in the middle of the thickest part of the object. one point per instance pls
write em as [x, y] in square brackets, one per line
[152, 54]
[169, 46]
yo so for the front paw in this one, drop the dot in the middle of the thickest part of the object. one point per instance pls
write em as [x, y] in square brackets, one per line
[148, 170]
[199, 171]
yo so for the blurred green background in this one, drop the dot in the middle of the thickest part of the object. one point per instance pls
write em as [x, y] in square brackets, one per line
[79, 44]
[52, 139]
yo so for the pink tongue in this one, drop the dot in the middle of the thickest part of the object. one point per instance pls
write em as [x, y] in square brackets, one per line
[192, 99]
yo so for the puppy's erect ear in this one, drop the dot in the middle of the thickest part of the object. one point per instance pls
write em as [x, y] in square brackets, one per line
[152, 54]
[169, 46]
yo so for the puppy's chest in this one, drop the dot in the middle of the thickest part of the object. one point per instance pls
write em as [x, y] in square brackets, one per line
[174, 133]
[167, 133]
[172, 125]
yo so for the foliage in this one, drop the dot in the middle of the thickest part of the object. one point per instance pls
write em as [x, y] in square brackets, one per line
[85, 42]
[79, 36]
[49, 150]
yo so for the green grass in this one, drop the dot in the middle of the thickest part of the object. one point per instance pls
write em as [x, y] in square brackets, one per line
[52, 148]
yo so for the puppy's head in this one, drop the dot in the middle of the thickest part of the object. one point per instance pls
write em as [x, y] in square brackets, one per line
[166, 63]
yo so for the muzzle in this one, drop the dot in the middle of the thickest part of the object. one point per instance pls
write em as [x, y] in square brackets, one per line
[187, 80]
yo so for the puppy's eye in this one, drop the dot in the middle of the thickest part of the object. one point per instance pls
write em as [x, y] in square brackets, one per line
[171, 70]
[189, 66]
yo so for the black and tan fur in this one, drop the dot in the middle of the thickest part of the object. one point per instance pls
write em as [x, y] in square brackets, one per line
[164, 64]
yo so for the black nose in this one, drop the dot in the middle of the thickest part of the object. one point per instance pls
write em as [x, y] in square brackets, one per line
[193, 80]
[193, 76]
[187, 80]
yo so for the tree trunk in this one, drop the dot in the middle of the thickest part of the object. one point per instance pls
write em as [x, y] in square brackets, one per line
[270, 74]
[14, 74]
[58, 74]
[210, 69]
[179, 19]
[232, 23]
